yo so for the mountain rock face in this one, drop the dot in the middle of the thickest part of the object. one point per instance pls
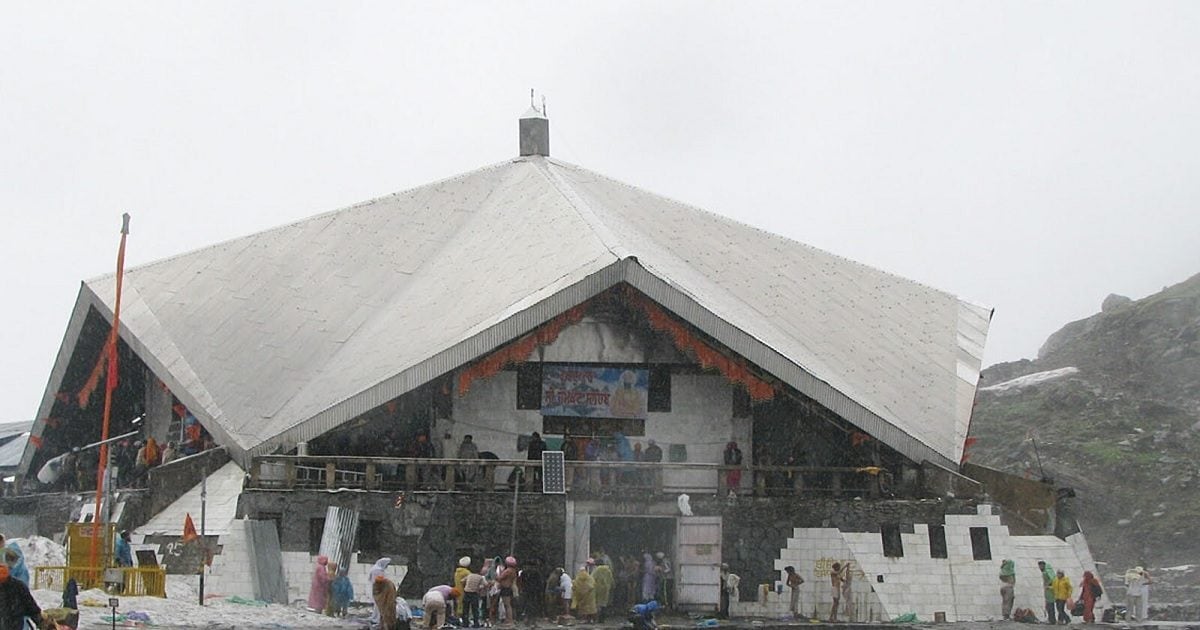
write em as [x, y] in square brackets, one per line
[1111, 407]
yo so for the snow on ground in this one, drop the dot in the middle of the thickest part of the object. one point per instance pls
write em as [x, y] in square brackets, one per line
[1030, 379]
[182, 608]
[41, 552]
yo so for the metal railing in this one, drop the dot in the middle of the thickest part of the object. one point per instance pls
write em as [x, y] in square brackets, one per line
[330, 472]
[150, 581]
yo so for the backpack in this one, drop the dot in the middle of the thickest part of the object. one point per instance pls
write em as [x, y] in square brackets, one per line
[1097, 590]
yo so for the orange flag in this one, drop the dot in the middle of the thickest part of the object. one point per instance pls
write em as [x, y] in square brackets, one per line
[189, 529]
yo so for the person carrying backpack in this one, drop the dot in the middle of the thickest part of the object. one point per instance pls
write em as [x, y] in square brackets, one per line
[1089, 593]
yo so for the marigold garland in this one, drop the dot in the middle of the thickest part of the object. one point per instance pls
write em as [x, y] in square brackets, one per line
[735, 369]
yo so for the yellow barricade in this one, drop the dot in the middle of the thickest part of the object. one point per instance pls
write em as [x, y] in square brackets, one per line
[128, 581]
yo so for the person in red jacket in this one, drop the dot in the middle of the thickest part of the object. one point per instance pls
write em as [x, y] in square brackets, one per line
[1090, 593]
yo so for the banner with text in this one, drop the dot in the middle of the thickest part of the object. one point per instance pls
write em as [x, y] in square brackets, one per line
[586, 391]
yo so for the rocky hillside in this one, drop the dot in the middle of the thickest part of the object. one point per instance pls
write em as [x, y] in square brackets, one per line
[1111, 407]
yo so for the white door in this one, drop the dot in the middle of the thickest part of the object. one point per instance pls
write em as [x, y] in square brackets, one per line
[698, 563]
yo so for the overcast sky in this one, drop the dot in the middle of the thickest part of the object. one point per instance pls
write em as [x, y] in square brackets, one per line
[1033, 157]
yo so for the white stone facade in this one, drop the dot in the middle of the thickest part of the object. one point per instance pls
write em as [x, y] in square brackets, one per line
[962, 588]
[701, 419]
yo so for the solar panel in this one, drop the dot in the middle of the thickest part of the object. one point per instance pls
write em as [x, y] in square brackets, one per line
[554, 480]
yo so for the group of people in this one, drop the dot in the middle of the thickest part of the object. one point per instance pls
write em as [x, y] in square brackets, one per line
[615, 448]
[497, 592]
[330, 592]
[1058, 592]
[133, 459]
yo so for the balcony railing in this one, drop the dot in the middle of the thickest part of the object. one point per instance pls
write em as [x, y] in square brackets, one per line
[317, 472]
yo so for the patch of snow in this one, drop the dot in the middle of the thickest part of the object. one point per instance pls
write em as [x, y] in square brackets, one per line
[41, 552]
[1182, 567]
[1123, 522]
[1030, 379]
[173, 610]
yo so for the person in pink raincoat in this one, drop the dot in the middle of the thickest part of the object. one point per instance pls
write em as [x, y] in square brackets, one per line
[318, 594]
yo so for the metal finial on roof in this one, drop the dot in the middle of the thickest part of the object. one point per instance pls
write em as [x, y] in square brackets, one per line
[534, 135]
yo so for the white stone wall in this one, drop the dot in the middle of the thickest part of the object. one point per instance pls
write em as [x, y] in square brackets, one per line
[231, 572]
[959, 586]
[700, 418]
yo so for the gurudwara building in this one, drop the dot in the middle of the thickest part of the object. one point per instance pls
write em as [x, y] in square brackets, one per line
[719, 393]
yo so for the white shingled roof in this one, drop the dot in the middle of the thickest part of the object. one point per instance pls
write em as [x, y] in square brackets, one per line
[279, 336]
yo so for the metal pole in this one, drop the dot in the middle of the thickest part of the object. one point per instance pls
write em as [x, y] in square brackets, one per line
[1041, 471]
[203, 540]
[512, 540]
[110, 480]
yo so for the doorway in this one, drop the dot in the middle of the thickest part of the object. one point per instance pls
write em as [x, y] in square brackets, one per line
[625, 539]
[633, 535]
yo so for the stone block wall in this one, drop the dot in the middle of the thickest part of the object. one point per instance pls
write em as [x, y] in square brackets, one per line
[962, 586]
[231, 571]
[754, 529]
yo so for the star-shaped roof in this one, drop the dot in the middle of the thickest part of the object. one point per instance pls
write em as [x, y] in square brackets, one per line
[277, 337]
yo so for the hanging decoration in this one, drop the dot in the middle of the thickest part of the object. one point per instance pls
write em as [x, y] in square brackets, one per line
[735, 369]
[519, 350]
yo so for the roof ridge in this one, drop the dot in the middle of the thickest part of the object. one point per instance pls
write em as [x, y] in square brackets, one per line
[583, 209]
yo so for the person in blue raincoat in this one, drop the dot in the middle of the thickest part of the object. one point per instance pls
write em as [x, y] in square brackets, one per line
[16, 563]
[124, 550]
[642, 616]
[342, 593]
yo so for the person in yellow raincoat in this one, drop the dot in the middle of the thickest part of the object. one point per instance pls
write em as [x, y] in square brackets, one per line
[603, 576]
[1062, 592]
[460, 579]
[584, 600]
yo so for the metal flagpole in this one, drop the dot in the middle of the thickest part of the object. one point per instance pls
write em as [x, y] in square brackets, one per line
[512, 540]
[203, 540]
[110, 384]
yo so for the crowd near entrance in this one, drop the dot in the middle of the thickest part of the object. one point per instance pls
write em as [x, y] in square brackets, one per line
[640, 550]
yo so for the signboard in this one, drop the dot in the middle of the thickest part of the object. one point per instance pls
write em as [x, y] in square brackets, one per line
[586, 391]
[182, 558]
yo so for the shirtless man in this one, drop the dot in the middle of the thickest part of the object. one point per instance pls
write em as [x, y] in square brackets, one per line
[835, 580]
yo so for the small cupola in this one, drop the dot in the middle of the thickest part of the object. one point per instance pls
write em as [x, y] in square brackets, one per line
[535, 130]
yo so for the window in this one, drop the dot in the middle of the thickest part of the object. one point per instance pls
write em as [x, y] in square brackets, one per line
[981, 547]
[316, 528]
[937, 541]
[659, 398]
[529, 386]
[892, 545]
[742, 407]
[368, 537]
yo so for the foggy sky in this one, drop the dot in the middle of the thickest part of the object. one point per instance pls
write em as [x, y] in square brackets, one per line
[1032, 157]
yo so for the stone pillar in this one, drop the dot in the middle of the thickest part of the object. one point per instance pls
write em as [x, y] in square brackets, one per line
[158, 410]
